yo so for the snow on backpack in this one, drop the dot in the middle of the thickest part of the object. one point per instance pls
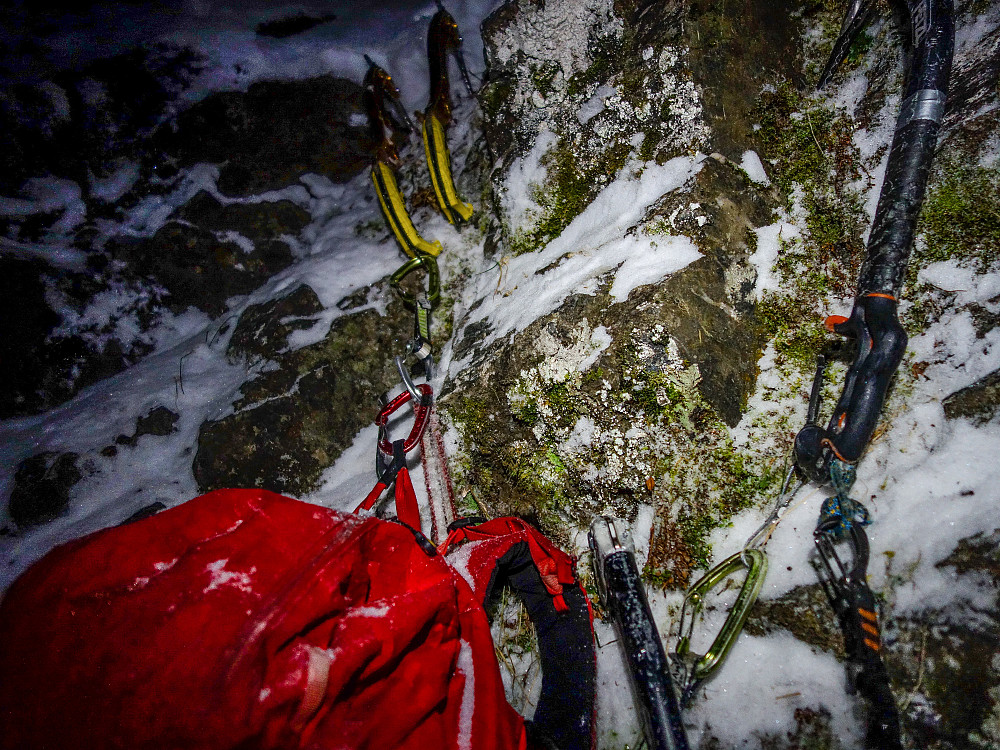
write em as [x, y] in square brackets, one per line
[244, 619]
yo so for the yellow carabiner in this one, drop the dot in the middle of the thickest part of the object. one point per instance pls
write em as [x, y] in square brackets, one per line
[699, 668]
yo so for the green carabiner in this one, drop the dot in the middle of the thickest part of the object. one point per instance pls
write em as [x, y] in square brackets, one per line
[699, 668]
[429, 264]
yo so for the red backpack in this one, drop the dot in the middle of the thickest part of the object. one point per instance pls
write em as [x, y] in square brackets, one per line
[244, 619]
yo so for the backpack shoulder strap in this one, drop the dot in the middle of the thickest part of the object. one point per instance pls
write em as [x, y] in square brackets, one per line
[508, 552]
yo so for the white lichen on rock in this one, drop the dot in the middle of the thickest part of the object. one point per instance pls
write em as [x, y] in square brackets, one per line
[557, 32]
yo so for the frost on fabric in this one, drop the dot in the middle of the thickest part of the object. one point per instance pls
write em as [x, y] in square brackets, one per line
[466, 667]
[370, 611]
[220, 577]
[166, 565]
[458, 559]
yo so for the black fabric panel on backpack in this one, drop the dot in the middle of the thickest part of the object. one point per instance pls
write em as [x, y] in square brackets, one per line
[565, 711]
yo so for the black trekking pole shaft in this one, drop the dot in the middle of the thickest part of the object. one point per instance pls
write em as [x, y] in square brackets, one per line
[652, 686]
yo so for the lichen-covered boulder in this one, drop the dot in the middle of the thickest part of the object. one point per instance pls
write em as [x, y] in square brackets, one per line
[574, 89]
[610, 404]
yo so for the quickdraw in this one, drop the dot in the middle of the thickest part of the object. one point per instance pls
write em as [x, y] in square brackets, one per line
[691, 670]
[442, 39]
[430, 266]
[418, 348]
[854, 604]
[390, 456]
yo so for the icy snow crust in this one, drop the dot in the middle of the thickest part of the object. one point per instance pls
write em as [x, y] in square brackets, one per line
[935, 479]
[593, 245]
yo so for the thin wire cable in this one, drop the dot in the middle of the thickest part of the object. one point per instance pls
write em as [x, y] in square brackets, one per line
[763, 533]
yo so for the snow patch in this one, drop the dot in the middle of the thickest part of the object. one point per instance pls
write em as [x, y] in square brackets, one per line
[595, 104]
[754, 167]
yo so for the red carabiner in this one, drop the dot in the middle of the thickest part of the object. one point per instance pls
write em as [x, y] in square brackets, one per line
[421, 411]
[406, 500]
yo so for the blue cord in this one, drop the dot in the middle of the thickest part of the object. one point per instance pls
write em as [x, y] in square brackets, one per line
[841, 506]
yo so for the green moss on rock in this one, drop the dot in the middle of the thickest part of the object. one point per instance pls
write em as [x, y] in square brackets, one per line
[569, 187]
[960, 219]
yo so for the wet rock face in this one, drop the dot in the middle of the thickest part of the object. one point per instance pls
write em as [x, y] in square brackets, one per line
[712, 316]
[159, 421]
[734, 50]
[41, 488]
[263, 330]
[805, 612]
[197, 269]
[82, 124]
[43, 365]
[263, 146]
[212, 251]
[294, 420]
[208, 252]
[286, 26]
[978, 402]
[259, 222]
[947, 663]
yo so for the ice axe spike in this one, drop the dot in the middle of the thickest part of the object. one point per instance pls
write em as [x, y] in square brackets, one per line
[858, 14]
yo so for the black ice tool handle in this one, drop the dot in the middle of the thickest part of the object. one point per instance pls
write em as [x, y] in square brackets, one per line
[624, 598]
[914, 141]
